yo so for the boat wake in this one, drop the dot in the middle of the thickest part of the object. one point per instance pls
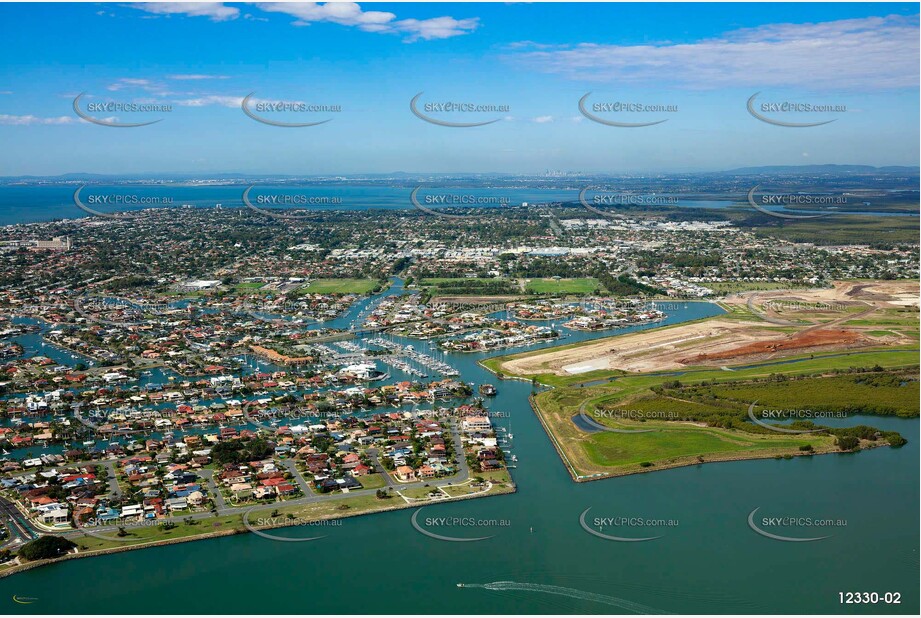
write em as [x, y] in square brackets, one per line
[569, 592]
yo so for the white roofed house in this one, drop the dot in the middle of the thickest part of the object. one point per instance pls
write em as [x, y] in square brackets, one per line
[58, 517]
[362, 371]
[476, 423]
[132, 510]
[177, 504]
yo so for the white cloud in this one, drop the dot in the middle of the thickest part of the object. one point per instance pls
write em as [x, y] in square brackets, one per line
[196, 76]
[7, 119]
[212, 99]
[229, 101]
[435, 28]
[134, 83]
[351, 14]
[528, 45]
[342, 13]
[871, 52]
[543, 119]
[130, 82]
[216, 11]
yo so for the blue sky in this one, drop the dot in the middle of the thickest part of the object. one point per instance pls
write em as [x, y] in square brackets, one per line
[538, 60]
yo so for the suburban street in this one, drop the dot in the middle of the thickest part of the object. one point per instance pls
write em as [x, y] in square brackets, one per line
[14, 518]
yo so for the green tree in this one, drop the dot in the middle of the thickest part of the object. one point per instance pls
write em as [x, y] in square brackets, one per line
[45, 547]
[848, 443]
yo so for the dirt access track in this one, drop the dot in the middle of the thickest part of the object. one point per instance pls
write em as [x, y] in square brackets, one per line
[767, 326]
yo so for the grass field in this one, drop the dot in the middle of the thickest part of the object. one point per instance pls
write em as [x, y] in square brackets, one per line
[669, 444]
[729, 287]
[585, 285]
[864, 393]
[248, 287]
[621, 450]
[459, 490]
[707, 411]
[418, 493]
[340, 286]
[480, 286]
[905, 320]
[147, 534]
[845, 229]
[451, 281]
[372, 481]
[494, 476]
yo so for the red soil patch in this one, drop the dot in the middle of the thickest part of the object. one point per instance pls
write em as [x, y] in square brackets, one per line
[799, 341]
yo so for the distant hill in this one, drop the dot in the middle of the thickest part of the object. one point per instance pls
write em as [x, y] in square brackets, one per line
[772, 170]
[185, 176]
[80, 176]
[823, 169]
[61, 177]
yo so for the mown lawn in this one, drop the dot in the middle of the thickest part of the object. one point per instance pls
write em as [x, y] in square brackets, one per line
[452, 281]
[419, 493]
[340, 286]
[477, 286]
[585, 285]
[679, 444]
[729, 287]
[137, 534]
[372, 481]
[618, 449]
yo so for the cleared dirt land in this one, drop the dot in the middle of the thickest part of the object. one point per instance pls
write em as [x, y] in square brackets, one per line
[759, 326]
[725, 363]
[877, 293]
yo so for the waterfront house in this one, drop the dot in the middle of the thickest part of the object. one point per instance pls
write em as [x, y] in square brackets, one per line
[405, 473]
[132, 511]
[263, 493]
[177, 504]
[475, 423]
[242, 491]
[56, 517]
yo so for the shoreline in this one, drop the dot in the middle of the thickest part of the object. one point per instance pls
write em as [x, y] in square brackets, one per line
[535, 342]
[657, 467]
[679, 463]
[675, 465]
[603, 339]
[503, 490]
